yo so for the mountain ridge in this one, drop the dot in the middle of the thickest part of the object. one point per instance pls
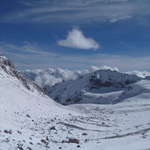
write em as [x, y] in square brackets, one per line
[69, 92]
[29, 119]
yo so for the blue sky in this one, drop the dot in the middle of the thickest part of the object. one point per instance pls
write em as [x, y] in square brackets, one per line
[69, 34]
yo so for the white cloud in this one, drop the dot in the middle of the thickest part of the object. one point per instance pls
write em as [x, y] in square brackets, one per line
[127, 45]
[141, 74]
[76, 39]
[52, 76]
[26, 47]
[39, 59]
[115, 19]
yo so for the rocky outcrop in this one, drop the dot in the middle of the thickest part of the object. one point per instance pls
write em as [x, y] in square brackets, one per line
[109, 78]
[9, 68]
[70, 92]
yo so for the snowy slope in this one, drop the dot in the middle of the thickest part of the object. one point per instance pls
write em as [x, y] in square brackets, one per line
[30, 120]
[24, 109]
[101, 87]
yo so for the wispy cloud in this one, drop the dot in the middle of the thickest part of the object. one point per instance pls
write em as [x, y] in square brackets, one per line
[26, 57]
[122, 62]
[79, 11]
[127, 45]
[117, 18]
[26, 47]
[76, 39]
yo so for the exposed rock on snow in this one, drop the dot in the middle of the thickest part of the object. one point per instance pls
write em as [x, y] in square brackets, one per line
[50, 76]
[9, 68]
[31, 120]
[91, 87]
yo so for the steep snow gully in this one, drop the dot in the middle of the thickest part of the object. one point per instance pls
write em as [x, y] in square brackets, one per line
[30, 120]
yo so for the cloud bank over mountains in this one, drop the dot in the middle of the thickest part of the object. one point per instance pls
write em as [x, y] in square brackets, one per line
[76, 39]
[52, 76]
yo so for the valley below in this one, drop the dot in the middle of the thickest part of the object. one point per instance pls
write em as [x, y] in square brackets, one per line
[121, 126]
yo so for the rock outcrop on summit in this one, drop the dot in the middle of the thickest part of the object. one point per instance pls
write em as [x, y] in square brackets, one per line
[8, 67]
[91, 87]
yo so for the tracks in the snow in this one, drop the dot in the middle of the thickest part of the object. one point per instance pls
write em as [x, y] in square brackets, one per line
[80, 128]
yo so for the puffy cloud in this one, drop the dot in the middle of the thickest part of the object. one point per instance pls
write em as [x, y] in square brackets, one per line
[52, 76]
[47, 79]
[141, 74]
[93, 68]
[106, 68]
[76, 39]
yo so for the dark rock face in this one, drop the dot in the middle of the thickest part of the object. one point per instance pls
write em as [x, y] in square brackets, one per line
[6, 64]
[73, 140]
[5, 61]
[8, 131]
[108, 78]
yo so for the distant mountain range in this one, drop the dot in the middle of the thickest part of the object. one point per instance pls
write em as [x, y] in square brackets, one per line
[96, 85]
[51, 76]
[100, 87]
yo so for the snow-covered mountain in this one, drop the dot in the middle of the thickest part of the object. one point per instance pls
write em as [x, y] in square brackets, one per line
[26, 112]
[20, 94]
[49, 80]
[50, 76]
[100, 87]
[30, 120]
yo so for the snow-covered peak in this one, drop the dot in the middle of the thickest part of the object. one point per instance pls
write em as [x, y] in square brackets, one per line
[51, 76]
[2, 58]
[109, 78]
[69, 92]
[6, 64]
[8, 67]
